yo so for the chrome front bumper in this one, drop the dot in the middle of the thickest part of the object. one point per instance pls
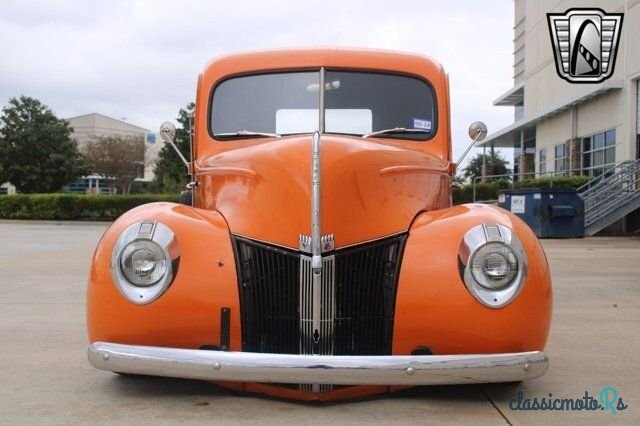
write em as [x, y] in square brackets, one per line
[319, 369]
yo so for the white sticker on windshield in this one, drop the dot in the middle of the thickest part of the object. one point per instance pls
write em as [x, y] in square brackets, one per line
[422, 123]
[351, 121]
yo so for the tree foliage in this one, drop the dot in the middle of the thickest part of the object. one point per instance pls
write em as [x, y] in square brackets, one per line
[170, 173]
[37, 153]
[496, 165]
[119, 158]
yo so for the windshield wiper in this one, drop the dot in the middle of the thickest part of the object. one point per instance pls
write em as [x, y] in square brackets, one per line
[395, 131]
[248, 133]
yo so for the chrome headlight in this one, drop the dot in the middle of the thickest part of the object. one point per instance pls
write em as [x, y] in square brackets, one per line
[144, 261]
[493, 264]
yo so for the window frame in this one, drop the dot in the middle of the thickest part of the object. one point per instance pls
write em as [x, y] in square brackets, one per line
[542, 162]
[589, 170]
[564, 158]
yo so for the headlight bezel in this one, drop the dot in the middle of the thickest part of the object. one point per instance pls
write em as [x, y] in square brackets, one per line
[157, 263]
[481, 236]
[147, 231]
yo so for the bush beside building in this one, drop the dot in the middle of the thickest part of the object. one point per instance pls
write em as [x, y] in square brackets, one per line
[74, 207]
[489, 191]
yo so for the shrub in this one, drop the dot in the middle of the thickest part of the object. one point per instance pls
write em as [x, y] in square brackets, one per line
[74, 207]
[489, 191]
[556, 182]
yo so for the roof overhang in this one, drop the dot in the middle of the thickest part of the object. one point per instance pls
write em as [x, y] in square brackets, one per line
[514, 96]
[509, 137]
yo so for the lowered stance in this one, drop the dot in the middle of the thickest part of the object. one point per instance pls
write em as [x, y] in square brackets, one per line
[316, 254]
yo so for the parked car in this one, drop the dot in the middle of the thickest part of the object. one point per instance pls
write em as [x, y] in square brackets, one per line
[317, 255]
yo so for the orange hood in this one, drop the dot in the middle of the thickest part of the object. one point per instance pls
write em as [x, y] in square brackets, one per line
[370, 189]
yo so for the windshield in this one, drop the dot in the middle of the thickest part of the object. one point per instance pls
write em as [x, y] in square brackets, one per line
[356, 103]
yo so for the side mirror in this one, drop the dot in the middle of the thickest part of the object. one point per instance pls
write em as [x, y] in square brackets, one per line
[477, 133]
[168, 134]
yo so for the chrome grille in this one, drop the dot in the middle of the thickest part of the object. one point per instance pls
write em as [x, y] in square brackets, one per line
[366, 282]
[268, 280]
[324, 345]
[358, 298]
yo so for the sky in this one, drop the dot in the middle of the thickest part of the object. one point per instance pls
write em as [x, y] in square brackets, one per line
[139, 60]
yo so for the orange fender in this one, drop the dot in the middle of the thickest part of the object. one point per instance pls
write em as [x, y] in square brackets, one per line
[435, 309]
[188, 314]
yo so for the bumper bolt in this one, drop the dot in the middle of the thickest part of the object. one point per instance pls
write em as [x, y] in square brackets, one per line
[527, 367]
[411, 371]
[217, 366]
[105, 356]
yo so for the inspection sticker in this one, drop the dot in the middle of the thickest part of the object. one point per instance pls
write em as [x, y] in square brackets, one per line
[421, 123]
[517, 203]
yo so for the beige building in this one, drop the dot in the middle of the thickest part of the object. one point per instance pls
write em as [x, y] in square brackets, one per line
[562, 127]
[89, 126]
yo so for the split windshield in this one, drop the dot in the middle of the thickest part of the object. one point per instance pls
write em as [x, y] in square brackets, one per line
[356, 103]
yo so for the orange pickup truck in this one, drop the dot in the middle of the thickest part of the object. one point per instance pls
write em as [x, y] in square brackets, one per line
[317, 255]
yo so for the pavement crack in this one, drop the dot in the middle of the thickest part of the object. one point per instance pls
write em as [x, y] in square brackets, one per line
[495, 406]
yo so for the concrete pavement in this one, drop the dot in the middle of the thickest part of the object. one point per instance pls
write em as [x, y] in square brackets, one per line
[45, 378]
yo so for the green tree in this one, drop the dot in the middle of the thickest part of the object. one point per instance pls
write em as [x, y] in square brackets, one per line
[37, 153]
[170, 173]
[496, 165]
[119, 158]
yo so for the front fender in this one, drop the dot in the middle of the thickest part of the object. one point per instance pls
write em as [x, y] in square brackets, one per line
[188, 314]
[434, 308]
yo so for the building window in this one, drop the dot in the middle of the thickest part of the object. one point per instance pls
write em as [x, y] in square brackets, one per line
[518, 112]
[542, 161]
[561, 158]
[598, 152]
[638, 119]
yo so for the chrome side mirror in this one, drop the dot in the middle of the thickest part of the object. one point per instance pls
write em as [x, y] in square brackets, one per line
[477, 133]
[168, 134]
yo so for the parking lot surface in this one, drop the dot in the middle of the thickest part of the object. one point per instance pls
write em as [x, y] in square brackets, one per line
[46, 379]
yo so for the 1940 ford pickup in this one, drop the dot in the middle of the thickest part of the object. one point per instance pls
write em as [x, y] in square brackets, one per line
[318, 255]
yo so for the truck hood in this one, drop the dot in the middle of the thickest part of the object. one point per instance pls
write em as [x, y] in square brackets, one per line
[369, 189]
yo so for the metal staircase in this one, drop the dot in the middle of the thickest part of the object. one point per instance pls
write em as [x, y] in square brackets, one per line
[611, 196]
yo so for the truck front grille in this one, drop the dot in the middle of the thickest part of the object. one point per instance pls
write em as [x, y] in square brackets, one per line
[361, 299]
[366, 281]
[268, 280]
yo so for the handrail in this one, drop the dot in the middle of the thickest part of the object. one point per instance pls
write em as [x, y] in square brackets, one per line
[603, 177]
[610, 207]
[607, 182]
[595, 210]
[608, 191]
[612, 191]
